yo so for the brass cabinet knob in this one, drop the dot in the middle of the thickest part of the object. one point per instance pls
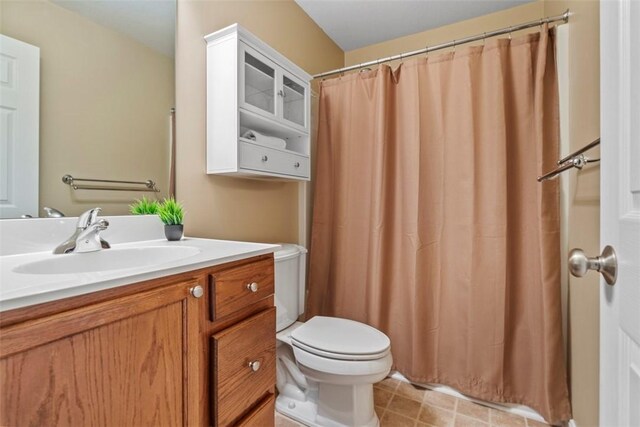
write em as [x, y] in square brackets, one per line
[253, 286]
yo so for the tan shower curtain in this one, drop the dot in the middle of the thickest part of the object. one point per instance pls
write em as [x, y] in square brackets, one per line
[430, 225]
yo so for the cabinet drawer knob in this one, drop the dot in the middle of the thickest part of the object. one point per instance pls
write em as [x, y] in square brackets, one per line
[296, 164]
[197, 291]
[265, 158]
[253, 286]
[255, 365]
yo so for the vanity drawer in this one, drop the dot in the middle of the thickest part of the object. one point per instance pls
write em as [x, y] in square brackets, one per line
[262, 415]
[244, 366]
[239, 287]
[257, 157]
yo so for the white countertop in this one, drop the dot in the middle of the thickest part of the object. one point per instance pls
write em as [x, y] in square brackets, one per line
[21, 290]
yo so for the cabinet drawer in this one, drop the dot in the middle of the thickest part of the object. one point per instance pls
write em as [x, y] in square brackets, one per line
[239, 287]
[244, 366]
[257, 157]
[262, 415]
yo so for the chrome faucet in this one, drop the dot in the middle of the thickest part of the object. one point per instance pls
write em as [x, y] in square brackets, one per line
[52, 212]
[86, 238]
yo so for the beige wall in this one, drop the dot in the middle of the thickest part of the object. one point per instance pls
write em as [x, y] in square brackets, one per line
[516, 15]
[225, 207]
[584, 203]
[104, 105]
[584, 190]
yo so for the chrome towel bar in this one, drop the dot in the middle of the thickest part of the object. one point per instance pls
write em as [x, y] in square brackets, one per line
[574, 160]
[148, 185]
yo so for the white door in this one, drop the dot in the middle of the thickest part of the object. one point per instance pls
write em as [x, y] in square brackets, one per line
[19, 127]
[620, 211]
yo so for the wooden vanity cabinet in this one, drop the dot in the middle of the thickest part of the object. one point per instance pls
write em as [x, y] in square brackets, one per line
[141, 354]
[118, 362]
[243, 362]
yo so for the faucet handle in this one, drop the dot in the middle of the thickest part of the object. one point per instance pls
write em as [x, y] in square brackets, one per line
[102, 224]
[89, 217]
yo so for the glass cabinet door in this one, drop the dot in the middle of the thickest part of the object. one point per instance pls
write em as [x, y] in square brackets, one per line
[293, 101]
[259, 83]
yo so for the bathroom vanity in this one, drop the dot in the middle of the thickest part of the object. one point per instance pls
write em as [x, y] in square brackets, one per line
[188, 342]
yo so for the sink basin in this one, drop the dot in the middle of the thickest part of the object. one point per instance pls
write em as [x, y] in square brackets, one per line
[106, 260]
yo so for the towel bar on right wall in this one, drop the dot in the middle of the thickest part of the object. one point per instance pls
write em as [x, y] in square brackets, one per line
[574, 160]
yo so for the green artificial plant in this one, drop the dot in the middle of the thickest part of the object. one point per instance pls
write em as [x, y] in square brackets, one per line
[171, 212]
[144, 207]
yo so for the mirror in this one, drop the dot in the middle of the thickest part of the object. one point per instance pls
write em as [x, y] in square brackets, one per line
[87, 91]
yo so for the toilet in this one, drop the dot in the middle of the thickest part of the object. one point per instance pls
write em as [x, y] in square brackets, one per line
[326, 367]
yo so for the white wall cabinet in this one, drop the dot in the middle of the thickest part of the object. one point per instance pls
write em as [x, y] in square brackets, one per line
[252, 87]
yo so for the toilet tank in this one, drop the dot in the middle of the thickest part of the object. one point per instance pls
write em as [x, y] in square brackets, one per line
[290, 274]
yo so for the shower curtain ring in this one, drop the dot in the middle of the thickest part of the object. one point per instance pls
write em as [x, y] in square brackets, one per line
[510, 27]
[454, 46]
[426, 51]
[484, 38]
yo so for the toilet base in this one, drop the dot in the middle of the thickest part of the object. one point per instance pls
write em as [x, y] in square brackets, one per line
[316, 396]
[307, 413]
[303, 412]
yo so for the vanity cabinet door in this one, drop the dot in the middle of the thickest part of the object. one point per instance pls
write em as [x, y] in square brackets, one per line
[122, 362]
[244, 367]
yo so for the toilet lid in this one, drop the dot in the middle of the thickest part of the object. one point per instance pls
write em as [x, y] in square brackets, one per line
[341, 339]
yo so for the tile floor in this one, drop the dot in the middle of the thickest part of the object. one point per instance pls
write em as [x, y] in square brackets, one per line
[399, 404]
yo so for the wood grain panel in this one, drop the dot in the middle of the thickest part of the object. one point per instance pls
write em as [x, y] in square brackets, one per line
[206, 356]
[236, 387]
[262, 415]
[36, 332]
[229, 287]
[126, 373]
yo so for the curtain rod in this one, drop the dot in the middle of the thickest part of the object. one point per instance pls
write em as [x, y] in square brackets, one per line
[507, 30]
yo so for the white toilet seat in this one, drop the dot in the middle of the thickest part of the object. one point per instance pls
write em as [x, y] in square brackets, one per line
[335, 346]
[339, 356]
[341, 339]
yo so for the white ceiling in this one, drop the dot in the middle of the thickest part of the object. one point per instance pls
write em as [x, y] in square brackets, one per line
[353, 24]
[151, 22]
